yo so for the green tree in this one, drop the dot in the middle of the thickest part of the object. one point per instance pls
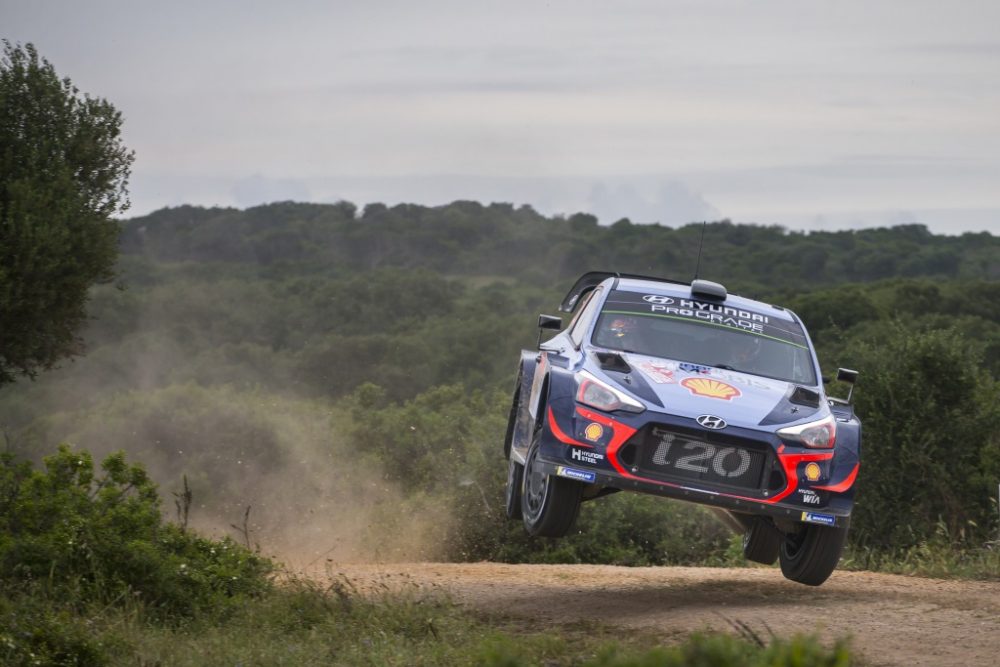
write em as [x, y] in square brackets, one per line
[63, 175]
[931, 454]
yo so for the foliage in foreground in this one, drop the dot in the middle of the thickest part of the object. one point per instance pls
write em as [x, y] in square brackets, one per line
[717, 650]
[300, 623]
[91, 575]
[80, 537]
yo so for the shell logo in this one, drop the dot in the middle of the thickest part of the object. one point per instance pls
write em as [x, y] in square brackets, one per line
[593, 432]
[702, 386]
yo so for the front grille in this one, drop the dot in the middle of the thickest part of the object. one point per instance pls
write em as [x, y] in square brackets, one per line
[685, 455]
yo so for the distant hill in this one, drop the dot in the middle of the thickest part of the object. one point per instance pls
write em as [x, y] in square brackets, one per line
[467, 238]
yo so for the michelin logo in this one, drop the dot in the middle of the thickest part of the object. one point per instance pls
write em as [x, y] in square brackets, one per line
[573, 473]
[825, 519]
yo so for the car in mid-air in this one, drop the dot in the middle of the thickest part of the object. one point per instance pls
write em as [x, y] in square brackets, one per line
[685, 391]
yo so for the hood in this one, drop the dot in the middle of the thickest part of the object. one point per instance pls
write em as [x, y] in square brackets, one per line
[690, 390]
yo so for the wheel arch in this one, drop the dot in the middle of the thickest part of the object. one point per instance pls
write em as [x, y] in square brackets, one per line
[521, 415]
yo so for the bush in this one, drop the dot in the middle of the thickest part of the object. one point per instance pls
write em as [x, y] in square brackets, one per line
[434, 442]
[941, 556]
[79, 537]
[35, 632]
[931, 455]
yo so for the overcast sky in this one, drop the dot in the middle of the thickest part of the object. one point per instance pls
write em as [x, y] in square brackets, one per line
[810, 114]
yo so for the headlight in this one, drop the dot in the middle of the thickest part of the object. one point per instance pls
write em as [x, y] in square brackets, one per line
[819, 434]
[597, 394]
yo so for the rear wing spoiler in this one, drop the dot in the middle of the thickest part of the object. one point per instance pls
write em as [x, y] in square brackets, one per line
[592, 279]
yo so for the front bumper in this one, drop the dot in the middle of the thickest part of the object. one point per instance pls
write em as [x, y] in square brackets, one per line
[571, 448]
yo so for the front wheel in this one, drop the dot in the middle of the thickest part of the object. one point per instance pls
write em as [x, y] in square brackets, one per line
[549, 504]
[810, 555]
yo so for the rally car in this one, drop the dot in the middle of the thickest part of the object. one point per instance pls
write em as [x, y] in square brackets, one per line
[685, 391]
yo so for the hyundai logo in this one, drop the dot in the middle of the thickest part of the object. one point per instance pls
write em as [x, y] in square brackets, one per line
[712, 422]
[658, 299]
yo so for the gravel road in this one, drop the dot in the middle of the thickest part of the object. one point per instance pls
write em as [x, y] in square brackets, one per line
[893, 620]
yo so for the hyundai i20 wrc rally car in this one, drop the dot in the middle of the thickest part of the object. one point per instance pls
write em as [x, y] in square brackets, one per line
[685, 391]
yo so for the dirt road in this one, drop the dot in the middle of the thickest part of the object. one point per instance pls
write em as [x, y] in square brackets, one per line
[893, 620]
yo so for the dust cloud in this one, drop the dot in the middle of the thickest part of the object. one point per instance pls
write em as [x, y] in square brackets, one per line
[316, 499]
[313, 497]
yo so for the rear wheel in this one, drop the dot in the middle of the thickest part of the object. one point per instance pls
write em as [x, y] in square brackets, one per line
[761, 542]
[549, 504]
[810, 555]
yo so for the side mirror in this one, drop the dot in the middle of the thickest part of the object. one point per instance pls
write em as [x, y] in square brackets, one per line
[848, 376]
[547, 322]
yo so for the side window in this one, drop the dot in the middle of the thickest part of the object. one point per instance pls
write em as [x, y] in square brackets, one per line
[579, 312]
[578, 327]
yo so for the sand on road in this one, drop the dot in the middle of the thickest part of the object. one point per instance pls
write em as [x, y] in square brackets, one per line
[893, 620]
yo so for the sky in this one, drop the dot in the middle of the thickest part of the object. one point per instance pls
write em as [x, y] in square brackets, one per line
[812, 114]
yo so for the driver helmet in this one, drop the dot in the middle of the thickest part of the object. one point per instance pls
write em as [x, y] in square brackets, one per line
[747, 351]
[623, 327]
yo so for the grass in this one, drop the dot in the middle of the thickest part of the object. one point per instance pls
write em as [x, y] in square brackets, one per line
[300, 623]
[939, 557]
[303, 624]
[933, 559]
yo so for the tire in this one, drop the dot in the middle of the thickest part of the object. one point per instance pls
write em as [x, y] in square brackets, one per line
[512, 493]
[761, 542]
[810, 556]
[549, 504]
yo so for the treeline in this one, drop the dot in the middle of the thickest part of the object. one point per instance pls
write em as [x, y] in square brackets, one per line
[467, 238]
[348, 376]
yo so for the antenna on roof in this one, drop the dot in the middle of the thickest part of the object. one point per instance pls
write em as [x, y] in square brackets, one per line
[701, 244]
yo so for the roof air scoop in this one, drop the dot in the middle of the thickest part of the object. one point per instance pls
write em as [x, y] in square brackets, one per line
[706, 289]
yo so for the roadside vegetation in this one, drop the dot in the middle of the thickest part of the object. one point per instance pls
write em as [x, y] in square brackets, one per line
[91, 574]
[353, 389]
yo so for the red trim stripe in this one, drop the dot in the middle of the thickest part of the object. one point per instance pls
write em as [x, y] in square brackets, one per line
[844, 485]
[790, 464]
[621, 431]
[561, 436]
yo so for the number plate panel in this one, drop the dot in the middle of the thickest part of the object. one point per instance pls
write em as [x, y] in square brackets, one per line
[678, 456]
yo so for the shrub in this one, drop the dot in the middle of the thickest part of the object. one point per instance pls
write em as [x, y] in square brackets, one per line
[930, 415]
[34, 632]
[82, 537]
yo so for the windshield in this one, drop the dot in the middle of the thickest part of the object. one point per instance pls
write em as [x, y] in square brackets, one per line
[705, 334]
